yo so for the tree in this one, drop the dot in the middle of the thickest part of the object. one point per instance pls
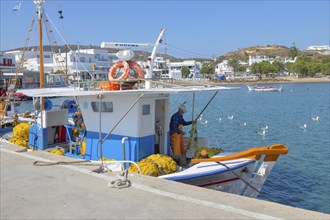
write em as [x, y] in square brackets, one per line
[325, 68]
[234, 63]
[313, 68]
[255, 68]
[290, 67]
[185, 71]
[266, 67]
[301, 68]
[207, 68]
[278, 66]
[293, 51]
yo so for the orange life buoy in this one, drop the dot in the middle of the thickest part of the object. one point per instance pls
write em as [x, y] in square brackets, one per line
[137, 67]
[117, 65]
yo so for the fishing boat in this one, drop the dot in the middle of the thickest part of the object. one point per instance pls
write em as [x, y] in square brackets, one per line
[265, 88]
[120, 119]
[126, 119]
[123, 129]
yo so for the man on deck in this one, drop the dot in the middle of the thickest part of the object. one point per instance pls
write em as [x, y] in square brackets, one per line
[176, 132]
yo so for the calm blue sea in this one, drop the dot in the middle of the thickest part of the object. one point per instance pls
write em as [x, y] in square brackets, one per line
[302, 177]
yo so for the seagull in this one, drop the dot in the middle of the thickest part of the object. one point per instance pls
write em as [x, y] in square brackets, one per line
[262, 133]
[304, 126]
[204, 122]
[315, 118]
[243, 124]
[230, 117]
[264, 128]
[219, 119]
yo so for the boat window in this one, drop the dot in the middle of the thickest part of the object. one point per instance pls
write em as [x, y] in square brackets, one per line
[50, 79]
[145, 109]
[105, 106]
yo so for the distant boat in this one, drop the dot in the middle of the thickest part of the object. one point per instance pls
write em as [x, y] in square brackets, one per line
[265, 88]
[20, 97]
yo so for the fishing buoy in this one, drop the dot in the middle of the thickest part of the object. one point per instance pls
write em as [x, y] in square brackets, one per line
[48, 105]
[71, 105]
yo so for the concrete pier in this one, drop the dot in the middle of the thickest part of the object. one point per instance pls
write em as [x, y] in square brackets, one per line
[75, 192]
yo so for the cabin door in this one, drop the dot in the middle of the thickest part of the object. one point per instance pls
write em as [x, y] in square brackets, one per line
[161, 126]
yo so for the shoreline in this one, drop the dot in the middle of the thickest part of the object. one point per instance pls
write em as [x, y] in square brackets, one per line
[277, 80]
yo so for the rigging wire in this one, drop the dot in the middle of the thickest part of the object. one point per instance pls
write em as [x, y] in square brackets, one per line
[169, 14]
[53, 43]
[188, 51]
[75, 55]
[27, 43]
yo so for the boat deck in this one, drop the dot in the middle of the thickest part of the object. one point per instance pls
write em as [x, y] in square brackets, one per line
[74, 191]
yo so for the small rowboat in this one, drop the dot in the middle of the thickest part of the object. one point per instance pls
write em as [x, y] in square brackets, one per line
[265, 88]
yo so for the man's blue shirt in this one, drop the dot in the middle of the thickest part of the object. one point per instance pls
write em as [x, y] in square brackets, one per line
[176, 120]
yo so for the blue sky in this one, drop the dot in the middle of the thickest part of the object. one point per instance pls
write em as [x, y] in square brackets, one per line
[194, 28]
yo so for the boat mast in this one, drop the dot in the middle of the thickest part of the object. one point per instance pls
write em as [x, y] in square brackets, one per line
[39, 4]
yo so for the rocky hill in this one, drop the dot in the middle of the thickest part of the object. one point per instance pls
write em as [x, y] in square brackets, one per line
[269, 50]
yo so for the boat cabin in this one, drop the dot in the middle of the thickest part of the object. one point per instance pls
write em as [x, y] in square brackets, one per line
[130, 131]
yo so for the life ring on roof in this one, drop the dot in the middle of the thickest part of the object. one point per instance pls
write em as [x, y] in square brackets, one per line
[116, 66]
[127, 65]
[134, 65]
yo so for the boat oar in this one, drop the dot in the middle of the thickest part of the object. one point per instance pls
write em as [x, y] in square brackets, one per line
[193, 130]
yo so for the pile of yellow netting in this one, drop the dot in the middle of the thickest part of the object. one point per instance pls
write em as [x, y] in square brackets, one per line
[57, 151]
[82, 148]
[107, 159]
[21, 134]
[155, 165]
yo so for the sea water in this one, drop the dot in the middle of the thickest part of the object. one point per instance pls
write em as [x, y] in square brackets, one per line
[299, 178]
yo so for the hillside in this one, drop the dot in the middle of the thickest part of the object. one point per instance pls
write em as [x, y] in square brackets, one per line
[269, 50]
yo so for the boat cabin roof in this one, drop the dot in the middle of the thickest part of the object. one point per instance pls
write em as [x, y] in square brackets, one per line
[67, 91]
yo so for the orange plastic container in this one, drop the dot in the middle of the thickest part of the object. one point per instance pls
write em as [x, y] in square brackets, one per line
[108, 86]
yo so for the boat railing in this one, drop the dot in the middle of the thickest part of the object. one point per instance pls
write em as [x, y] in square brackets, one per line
[93, 85]
[271, 154]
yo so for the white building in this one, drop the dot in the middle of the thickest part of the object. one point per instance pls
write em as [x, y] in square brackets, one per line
[224, 68]
[7, 62]
[70, 62]
[31, 59]
[172, 70]
[320, 47]
[259, 59]
[83, 60]
[194, 68]
[324, 49]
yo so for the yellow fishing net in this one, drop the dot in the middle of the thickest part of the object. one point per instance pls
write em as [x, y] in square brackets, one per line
[21, 134]
[155, 165]
[57, 151]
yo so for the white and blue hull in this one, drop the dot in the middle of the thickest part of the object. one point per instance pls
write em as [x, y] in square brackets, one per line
[234, 177]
